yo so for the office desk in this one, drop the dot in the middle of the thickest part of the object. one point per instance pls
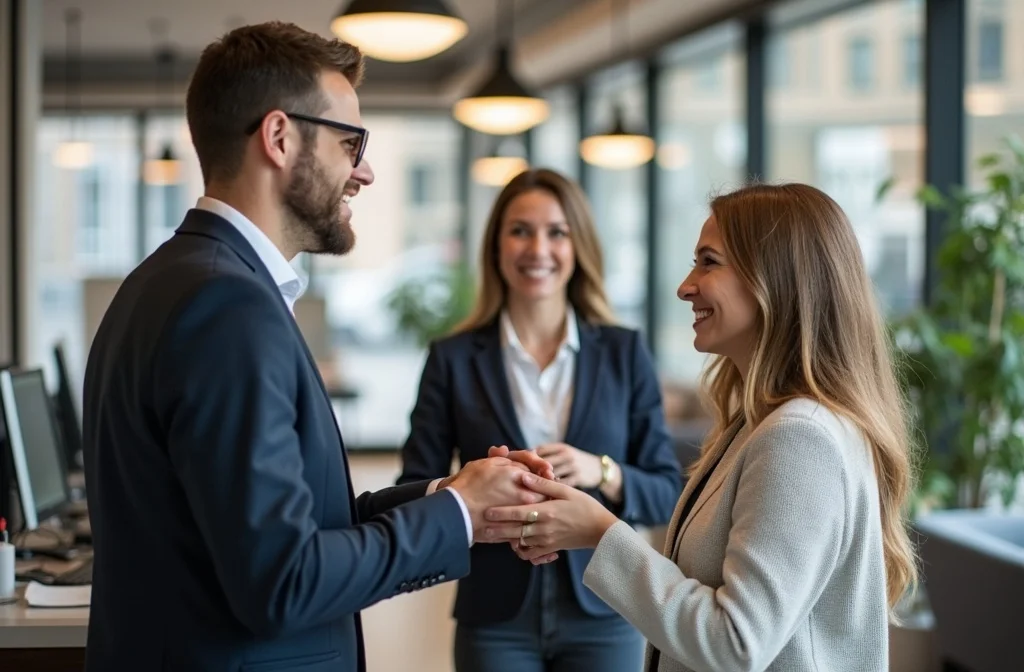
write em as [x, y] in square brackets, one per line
[42, 639]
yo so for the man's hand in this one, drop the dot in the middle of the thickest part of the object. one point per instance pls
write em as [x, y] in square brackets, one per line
[527, 459]
[532, 460]
[487, 483]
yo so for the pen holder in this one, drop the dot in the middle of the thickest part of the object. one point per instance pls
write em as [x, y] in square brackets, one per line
[6, 570]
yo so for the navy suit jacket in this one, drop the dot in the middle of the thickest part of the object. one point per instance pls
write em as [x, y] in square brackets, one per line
[465, 405]
[225, 529]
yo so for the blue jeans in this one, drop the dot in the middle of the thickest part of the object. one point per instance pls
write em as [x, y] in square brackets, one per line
[550, 634]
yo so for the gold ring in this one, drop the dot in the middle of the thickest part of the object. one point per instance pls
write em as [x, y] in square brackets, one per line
[522, 541]
[532, 516]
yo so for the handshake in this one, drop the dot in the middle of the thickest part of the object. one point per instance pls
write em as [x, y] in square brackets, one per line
[496, 482]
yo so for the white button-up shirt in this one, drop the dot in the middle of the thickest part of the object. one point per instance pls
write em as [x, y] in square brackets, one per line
[285, 277]
[542, 399]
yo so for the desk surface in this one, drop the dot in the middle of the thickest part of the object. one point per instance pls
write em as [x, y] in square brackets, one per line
[24, 627]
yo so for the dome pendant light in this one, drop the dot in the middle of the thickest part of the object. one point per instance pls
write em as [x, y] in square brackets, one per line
[496, 169]
[502, 106]
[166, 168]
[399, 31]
[619, 148]
[73, 154]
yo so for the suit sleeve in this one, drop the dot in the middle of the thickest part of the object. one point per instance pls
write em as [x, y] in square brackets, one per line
[651, 476]
[227, 399]
[427, 453]
[369, 504]
[784, 543]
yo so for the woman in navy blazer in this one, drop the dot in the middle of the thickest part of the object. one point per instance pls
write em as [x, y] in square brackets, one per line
[539, 365]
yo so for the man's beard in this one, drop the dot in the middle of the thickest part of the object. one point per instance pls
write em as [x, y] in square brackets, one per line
[315, 208]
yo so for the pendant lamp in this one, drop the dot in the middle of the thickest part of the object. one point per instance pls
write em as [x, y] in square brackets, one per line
[73, 153]
[617, 148]
[165, 169]
[497, 168]
[502, 105]
[620, 147]
[399, 31]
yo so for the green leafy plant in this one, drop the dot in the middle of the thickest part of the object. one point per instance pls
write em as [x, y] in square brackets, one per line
[964, 353]
[428, 308]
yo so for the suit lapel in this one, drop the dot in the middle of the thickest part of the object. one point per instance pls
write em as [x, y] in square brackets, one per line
[589, 363]
[490, 371]
[204, 223]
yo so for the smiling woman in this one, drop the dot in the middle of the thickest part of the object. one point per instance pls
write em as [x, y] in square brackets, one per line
[539, 365]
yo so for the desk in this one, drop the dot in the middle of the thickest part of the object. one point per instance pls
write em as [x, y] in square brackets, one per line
[42, 639]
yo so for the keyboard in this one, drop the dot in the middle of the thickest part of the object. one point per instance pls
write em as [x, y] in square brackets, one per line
[79, 575]
[76, 576]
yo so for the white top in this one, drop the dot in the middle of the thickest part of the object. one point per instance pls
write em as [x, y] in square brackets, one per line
[779, 564]
[288, 281]
[542, 399]
[291, 286]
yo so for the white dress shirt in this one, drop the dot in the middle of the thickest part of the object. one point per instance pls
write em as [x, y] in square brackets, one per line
[542, 399]
[291, 286]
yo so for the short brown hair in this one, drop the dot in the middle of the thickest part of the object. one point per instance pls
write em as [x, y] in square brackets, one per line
[586, 286]
[251, 71]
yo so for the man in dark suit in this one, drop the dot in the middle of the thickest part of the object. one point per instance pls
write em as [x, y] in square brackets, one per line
[226, 533]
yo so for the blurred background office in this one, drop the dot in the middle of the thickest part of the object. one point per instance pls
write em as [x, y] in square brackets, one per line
[848, 95]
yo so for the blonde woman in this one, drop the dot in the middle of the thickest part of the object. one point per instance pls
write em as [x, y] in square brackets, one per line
[539, 365]
[788, 548]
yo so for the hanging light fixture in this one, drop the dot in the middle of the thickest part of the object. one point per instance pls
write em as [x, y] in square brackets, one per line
[497, 168]
[620, 147]
[165, 169]
[399, 30]
[502, 106]
[73, 153]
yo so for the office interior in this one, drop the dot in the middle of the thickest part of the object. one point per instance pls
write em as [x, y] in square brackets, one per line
[868, 100]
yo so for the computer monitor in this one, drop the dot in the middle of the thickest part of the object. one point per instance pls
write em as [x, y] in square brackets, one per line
[35, 446]
[66, 407]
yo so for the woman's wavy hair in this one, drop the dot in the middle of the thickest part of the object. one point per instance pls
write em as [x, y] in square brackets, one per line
[821, 336]
[586, 286]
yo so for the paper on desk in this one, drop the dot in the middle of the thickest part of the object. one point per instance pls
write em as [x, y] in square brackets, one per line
[41, 595]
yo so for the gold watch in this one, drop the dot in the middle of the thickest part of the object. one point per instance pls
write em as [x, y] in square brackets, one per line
[606, 470]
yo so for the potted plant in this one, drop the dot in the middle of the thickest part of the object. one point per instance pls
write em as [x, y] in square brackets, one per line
[428, 308]
[964, 352]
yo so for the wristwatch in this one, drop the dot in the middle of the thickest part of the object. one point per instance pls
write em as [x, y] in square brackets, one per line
[606, 470]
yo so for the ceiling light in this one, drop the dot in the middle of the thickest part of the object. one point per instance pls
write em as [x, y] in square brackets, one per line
[502, 106]
[506, 161]
[164, 170]
[617, 149]
[73, 155]
[399, 30]
[496, 171]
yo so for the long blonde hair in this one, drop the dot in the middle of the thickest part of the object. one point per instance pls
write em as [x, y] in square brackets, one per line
[586, 286]
[821, 336]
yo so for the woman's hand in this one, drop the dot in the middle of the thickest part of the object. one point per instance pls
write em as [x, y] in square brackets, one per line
[574, 467]
[570, 519]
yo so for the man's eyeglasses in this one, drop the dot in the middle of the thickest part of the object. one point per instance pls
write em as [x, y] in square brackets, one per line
[361, 134]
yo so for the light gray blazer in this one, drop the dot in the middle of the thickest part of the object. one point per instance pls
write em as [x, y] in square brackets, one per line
[779, 564]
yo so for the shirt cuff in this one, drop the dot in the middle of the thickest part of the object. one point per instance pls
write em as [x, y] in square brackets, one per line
[432, 488]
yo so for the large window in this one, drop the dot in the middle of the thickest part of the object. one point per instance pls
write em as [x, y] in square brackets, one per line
[619, 197]
[406, 227]
[84, 229]
[702, 152]
[555, 143]
[994, 99]
[857, 126]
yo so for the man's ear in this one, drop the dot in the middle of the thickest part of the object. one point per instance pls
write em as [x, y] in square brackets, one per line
[274, 137]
